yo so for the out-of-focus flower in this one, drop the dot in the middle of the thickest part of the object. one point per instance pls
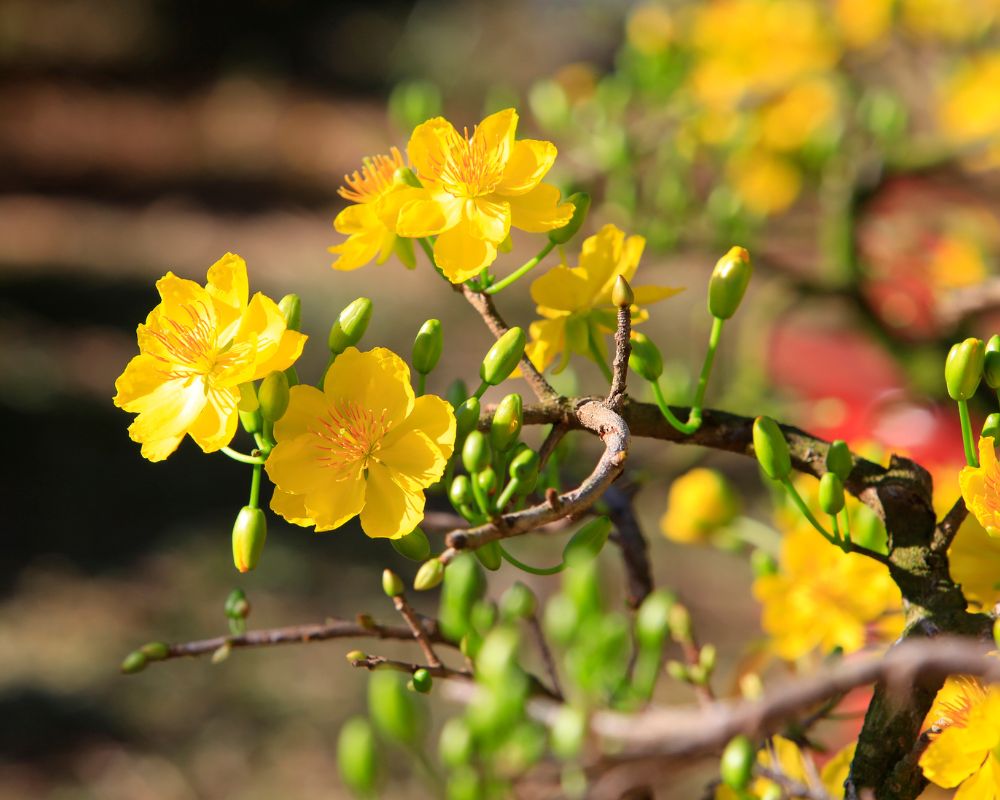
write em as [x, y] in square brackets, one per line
[862, 23]
[650, 28]
[368, 236]
[786, 757]
[981, 487]
[792, 119]
[195, 349]
[955, 261]
[363, 445]
[945, 20]
[475, 188]
[766, 183]
[699, 503]
[964, 753]
[576, 301]
[968, 111]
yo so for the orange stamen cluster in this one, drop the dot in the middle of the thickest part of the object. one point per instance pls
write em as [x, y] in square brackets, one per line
[353, 434]
[375, 177]
[471, 167]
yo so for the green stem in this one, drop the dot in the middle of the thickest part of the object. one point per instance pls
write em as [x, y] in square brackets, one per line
[706, 372]
[797, 499]
[421, 384]
[480, 494]
[598, 356]
[255, 486]
[970, 448]
[241, 457]
[483, 386]
[847, 525]
[521, 271]
[528, 568]
[836, 528]
[508, 492]
[685, 428]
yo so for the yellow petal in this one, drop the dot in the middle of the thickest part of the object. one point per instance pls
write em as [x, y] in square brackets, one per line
[227, 281]
[647, 295]
[600, 256]
[539, 210]
[415, 456]
[307, 408]
[548, 339]
[394, 506]
[488, 219]
[562, 289]
[165, 414]
[461, 254]
[427, 149]
[277, 347]
[432, 416]
[530, 160]
[836, 770]
[216, 424]
[428, 214]
[494, 136]
[292, 507]
[144, 374]
[357, 218]
[377, 380]
[984, 784]
[337, 502]
[295, 465]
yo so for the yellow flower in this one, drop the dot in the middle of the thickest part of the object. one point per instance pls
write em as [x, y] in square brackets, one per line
[946, 20]
[789, 121]
[576, 301]
[767, 184]
[195, 349]
[363, 445]
[862, 23]
[965, 752]
[650, 28]
[981, 487]
[698, 504]
[368, 236]
[475, 188]
[787, 757]
[968, 111]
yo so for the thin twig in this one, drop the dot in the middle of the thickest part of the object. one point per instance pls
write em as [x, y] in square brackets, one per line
[550, 443]
[546, 654]
[633, 545]
[413, 621]
[947, 528]
[436, 670]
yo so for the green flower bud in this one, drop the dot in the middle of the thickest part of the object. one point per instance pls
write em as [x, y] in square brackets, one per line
[252, 421]
[430, 574]
[422, 681]
[249, 533]
[964, 368]
[155, 651]
[622, 294]
[568, 732]
[498, 655]
[771, 448]
[413, 545]
[237, 606]
[427, 346]
[991, 428]
[487, 480]
[464, 585]
[273, 395]
[356, 655]
[405, 175]
[357, 756]
[392, 584]
[581, 205]
[456, 745]
[652, 621]
[466, 417]
[736, 766]
[249, 409]
[350, 325]
[506, 424]
[460, 491]
[587, 542]
[483, 616]
[729, 282]
[464, 783]
[456, 394]
[518, 602]
[561, 619]
[475, 452]
[489, 556]
[524, 465]
[991, 362]
[134, 662]
[763, 564]
[645, 358]
[831, 493]
[470, 644]
[503, 357]
[677, 671]
[839, 460]
[392, 708]
[680, 623]
[707, 658]
[291, 309]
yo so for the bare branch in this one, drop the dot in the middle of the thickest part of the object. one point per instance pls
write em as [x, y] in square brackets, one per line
[619, 366]
[947, 528]
[546, 654]
[372, 663]
[416, 626]
[634, 547]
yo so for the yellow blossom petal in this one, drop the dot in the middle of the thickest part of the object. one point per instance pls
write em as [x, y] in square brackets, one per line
[427, 149]
[292, 507]
[539, 210]
[396, 506]
[377, 380]
[432, 416]
[461, 254]
[428, 214]
[963, 748]
[338, 502]
[530, 161]
[415, 455]
[307, 407]
[489, 219]
[215, 426]
[495, 135]
[981, 487]
[227, 281]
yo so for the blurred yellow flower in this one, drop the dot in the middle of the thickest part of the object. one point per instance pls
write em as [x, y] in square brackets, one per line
[946, 20]
[195, 349]
[699, 503]
[650, 28]
[794, 118]
[981, 487]
[475, 188]
[576, 301]
[368, 236]
[956, 261]
[363, 445]
[767, 184]
[788, 758]
[862, 23]
[965, 753]
[968, 111]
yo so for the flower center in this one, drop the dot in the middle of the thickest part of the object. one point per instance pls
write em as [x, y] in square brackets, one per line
[376, 177]
[192, 349]
[471, 167]
[352, 434]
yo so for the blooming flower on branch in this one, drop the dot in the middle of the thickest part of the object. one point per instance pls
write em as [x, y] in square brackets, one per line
[699, 503]
[475, 188]
[195, 349]
[364, 445]
[576, 301]
[784, 757]
[981, 487]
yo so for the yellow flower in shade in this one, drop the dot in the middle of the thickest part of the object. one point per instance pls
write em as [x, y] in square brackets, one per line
[981, 487]
[576, 301]
[368, 236]
[766, 183]
[965, 753]
[699, 503]
[968, 111]
[195, 349]
[863, 23]
[364, 445]
[784, 756]
[791, 120]
[475, 188]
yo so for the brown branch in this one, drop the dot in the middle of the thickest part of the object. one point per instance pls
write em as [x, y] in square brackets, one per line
[546, 654]
[416, 626]
[436, 670]
[550, 444]
[633, 545]
[947, 528]
[619, 366]
[790, 787]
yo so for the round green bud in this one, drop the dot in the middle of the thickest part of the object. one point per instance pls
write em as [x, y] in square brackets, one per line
[357, 756]
[273, 395]
[506, 424]
[422, 681]
[518, 602]
[456, 394]
[470, 644]
[350, 325]
[561, 617]
[392, 584]
[581, 205]
[991, 428]
[568, 732]
[621, 293]
[707, 658]
[456, 745]
[429, 575]
[413, 545]
[991, 362]
[645, 358]
[680, 623]
[464, 584]
[498, 655]
[964, 368]
[483, 616]
[839, 460]
[155, 651]
[427, 346]
[466, 417]
[464, 783]
[677, 671]
[502, 357]
[762, 564]
[729, 282]
[291, 308]
[487, 480]
[771, 448]
[831, 493]
[460, 491]
[356, 655]
[475, 452]
[587, 542]
[252, 421]
[237, 606]
[652, 621]
[524, 465]
[249, 534]
[407, 177]
[736, 766]
[134, 662]
[489, 556]
[392, 708]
